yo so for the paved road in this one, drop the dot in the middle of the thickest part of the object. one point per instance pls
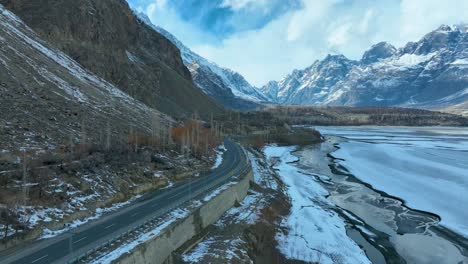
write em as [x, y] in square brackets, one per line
[68, 246]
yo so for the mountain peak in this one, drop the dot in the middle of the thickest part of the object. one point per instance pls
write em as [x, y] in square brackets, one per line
[335, 57]
[377, 52]
[385, 76]
[443, 38]
[444, 28]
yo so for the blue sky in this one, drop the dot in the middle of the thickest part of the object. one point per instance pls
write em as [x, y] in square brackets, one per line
[266, 39]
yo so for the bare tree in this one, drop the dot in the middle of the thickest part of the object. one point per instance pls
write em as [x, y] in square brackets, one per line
[108, 136]
[9, 217]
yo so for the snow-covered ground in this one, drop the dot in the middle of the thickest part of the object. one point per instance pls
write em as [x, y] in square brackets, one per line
[127, 247]
[427, 168]
[204, 249]
[219, 156]
[315, 232]
[47, 233]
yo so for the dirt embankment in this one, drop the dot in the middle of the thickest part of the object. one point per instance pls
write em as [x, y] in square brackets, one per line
[261, 235]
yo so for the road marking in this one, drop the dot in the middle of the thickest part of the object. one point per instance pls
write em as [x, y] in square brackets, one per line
[81, 239]
[45, 256]
[134, 214]
[109, 226]
[172, 196]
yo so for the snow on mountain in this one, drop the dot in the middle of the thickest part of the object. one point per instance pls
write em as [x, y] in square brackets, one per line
[312, 85]
[430, 73]
[378, 52]
[224, 85]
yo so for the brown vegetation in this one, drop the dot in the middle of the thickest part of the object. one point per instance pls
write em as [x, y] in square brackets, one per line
[386, 116]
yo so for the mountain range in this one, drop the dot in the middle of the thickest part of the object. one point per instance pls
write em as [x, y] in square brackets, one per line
[431, 73]
[123, 47]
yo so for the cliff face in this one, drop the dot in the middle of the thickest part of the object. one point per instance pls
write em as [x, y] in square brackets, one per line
[106, 38]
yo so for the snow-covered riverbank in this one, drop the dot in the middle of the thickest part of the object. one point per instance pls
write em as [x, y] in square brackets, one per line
[314, 232]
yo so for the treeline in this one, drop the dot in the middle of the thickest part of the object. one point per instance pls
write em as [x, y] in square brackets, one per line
[27, 179]
[364, 116]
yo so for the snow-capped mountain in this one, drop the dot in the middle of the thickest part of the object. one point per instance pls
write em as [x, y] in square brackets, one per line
[312, 85]
[224, 85]
[430, 73]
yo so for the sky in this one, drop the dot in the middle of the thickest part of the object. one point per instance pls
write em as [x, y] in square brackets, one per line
[265, 40]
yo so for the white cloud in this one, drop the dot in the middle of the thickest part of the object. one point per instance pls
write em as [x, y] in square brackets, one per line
[299, 37]
[159, 4]
[365, 24]
[308, 18]
[421, 16]
[240, 4]
[340, 35]
[330, 26]
[163, 15]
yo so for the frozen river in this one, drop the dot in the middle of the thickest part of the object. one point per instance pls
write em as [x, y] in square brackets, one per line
[425, 167]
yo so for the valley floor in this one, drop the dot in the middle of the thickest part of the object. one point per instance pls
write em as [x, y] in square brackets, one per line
[311, 204]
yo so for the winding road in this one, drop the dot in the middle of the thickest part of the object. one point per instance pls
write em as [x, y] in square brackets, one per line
[68, 246]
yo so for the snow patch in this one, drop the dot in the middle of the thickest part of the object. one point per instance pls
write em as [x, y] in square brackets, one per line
[219, 156]
[413, 59]
[460, 62]
[132, 57]
[47, 233]
[217, 191]
[125, 248]
[197, 254]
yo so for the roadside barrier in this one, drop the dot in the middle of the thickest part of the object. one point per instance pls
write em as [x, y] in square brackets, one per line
[238, 172]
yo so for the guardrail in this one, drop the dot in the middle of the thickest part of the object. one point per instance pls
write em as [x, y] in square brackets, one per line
[152, 219]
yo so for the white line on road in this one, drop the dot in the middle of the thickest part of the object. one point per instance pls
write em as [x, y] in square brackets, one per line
[175, 195]
[45, 256]
[109, 226]
[79, 240]
[134, 214]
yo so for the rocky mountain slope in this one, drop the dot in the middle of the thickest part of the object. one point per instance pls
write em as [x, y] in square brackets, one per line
[222, 84]
[431, 73]
[48, 99]
[106, 38]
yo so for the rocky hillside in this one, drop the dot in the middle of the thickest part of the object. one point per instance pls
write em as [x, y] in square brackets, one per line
[107, 38]
[431, 73]
[224, 85]
[48, 99]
